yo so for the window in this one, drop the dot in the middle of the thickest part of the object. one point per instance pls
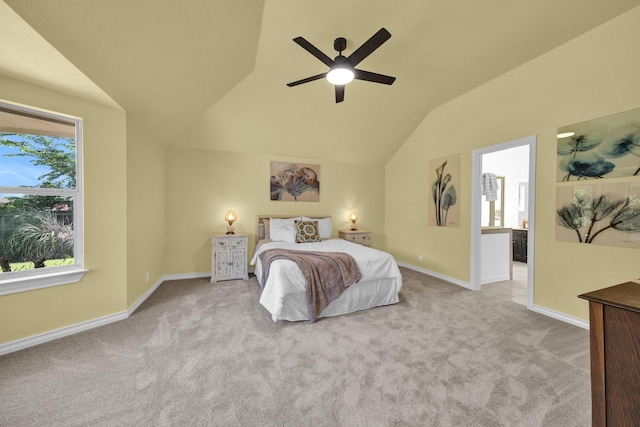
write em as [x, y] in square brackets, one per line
[40, 199]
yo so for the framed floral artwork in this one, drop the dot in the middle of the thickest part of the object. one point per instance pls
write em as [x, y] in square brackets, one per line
[607, 147]
[603, 214]
[444, 179]
[296, 182]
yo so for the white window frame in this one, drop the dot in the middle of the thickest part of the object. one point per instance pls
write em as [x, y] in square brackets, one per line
[22, 281]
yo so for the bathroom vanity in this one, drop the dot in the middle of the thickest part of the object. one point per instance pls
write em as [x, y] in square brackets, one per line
[496, 255]
[520, 240]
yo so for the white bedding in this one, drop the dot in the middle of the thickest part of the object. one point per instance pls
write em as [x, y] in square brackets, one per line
[284, 294]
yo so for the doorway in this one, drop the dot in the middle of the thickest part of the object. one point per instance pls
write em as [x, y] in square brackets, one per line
[524, 197]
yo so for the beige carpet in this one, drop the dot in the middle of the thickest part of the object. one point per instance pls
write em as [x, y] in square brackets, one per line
[198, 353]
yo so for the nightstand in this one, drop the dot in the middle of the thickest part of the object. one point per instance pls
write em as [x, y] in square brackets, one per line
[361, 237]
[229, 256]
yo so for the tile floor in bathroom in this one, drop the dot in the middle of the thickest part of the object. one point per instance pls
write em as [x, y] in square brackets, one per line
[515, 289]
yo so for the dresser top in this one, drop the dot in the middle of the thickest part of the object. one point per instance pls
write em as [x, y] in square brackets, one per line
[229, 235]
[625, 295]
[359, 230]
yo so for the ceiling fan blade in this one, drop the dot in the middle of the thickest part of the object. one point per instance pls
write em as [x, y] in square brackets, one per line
[373, 77]
[307, 80]
[368, 47]
[339, 93]
[314, 51]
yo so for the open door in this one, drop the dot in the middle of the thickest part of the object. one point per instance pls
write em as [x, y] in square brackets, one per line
[512, 219]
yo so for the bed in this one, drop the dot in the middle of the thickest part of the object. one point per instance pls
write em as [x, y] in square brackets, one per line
[284, 292]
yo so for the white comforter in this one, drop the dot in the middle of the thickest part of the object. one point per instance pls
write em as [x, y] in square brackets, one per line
[285, 277]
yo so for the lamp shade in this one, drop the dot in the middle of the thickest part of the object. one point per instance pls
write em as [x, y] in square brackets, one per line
[353, 216]
[230, 216]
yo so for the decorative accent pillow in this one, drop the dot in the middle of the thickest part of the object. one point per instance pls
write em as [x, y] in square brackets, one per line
[307, 232]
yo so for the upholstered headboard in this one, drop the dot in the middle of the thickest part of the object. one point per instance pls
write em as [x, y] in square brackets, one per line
[262, 223]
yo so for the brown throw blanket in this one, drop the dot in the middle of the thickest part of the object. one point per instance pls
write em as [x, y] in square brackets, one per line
[327, 274]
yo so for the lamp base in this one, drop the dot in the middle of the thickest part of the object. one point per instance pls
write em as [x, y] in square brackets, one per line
[353, 227]
[231, 229]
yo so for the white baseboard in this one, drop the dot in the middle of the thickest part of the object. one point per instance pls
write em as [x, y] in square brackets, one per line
[436, 275]
[494, 279]
[44, 337]
[185, 276]
[561, 316]
[144, 297]
[538, 309]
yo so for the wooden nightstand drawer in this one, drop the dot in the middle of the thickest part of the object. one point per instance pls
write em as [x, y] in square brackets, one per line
[238, 242]
[361, 237]
[221, 243]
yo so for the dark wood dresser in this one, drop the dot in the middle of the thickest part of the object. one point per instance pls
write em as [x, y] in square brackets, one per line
[614, 318]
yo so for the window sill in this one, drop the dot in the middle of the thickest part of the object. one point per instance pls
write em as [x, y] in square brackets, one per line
[45, 280]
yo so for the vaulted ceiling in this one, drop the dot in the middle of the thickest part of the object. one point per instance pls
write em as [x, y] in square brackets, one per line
[212, 73]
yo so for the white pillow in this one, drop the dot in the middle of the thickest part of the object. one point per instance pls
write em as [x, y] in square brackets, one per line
[324, 226]
[283, 230]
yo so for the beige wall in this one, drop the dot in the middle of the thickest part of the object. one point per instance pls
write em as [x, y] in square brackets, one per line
[145, 212]
[592, 76]
[202, 185]
[151, 209]
[102, 291]
[148, 209]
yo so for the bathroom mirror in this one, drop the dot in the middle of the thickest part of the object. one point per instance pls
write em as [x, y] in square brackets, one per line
[523, 203]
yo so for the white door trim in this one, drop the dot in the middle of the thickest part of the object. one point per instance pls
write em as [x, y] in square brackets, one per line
[476, 215]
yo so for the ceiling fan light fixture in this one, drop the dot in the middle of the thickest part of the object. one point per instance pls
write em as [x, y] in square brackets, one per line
[343, 69]
[340, 76]
[566, 134]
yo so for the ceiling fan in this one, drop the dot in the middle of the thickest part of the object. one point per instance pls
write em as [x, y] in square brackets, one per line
[342, 69]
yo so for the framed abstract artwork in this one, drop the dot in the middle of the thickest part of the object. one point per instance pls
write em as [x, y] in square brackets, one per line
[607, 147]
[296, 182]
[444, 180]
[603, 214]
